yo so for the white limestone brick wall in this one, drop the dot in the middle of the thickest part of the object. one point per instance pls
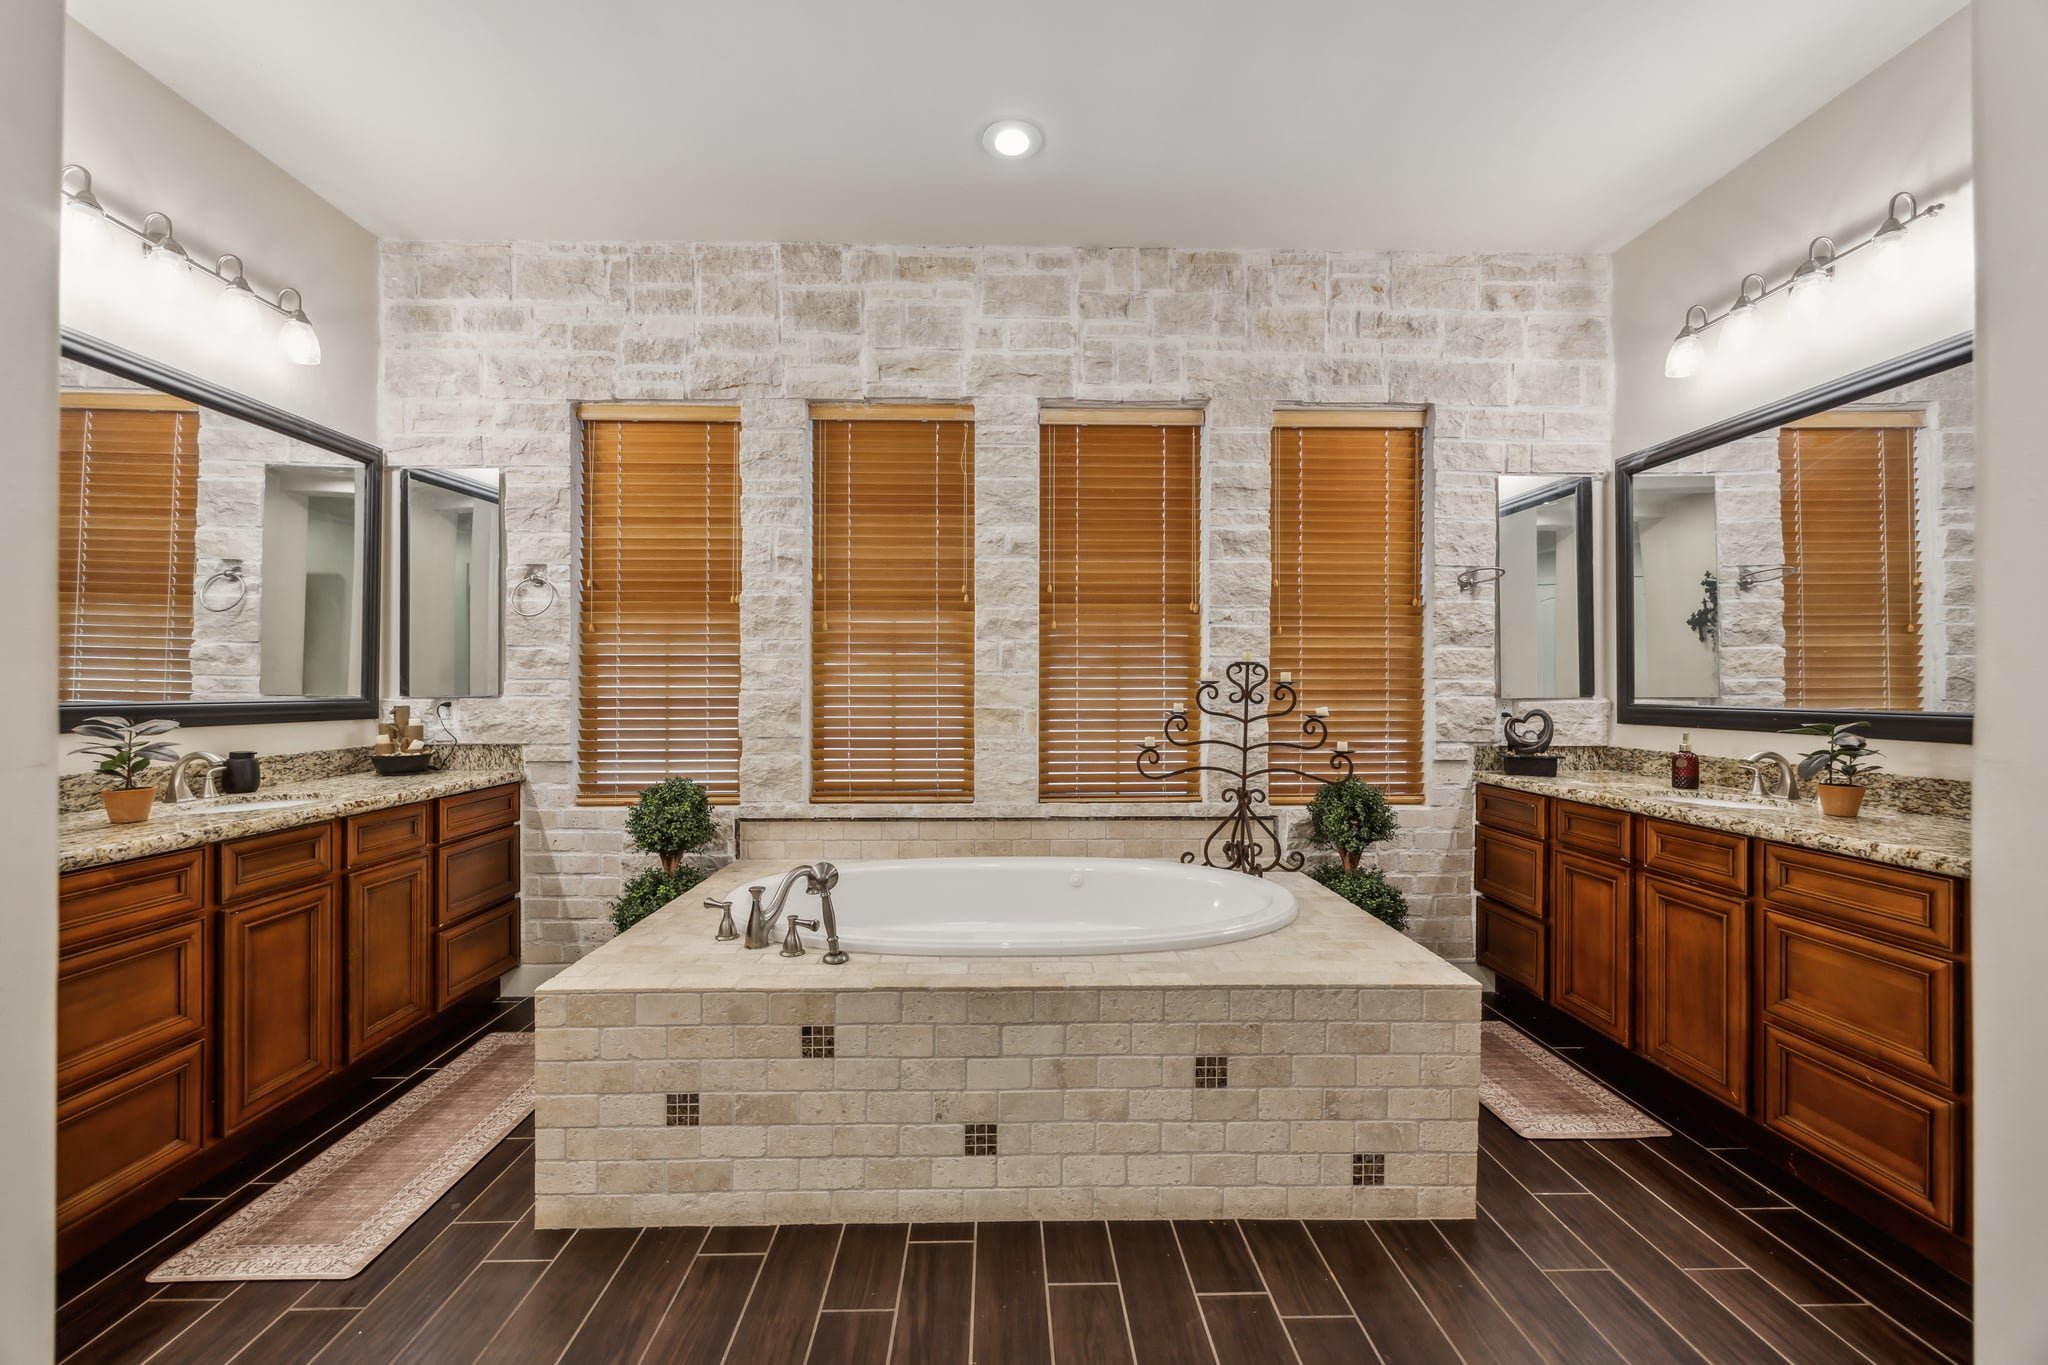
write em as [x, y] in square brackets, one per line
[488, 346]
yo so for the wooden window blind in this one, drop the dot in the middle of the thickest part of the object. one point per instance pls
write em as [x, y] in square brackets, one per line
[128, 508]
[892, 605]
[1852, 599]
[659, 665]
[1120, 601]
[1347, 614]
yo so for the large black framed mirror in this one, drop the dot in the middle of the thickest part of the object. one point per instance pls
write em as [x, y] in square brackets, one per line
[1810, 560]
[217, 556]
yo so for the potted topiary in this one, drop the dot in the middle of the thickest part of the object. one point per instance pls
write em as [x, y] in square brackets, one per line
[671, 819]
[1836, 770]
[125, 750]
[1351, 816]
[648, 891]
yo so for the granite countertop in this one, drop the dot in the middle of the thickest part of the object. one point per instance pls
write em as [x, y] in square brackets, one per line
[1926, 843]
[85, 839]
[1331, 944]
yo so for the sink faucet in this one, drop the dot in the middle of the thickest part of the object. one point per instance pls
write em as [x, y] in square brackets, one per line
[1781, 774]
[181, 789]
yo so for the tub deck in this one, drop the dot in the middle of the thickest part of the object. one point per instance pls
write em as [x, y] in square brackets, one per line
[1328, 1069]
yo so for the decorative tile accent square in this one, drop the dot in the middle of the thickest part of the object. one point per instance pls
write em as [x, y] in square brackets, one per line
[820, 1040]
[1368, 1168]
[981, 1139]
[682, 1110]
[1212, 1073]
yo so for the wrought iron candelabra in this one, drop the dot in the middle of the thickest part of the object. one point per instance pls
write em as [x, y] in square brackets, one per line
[1250, 838]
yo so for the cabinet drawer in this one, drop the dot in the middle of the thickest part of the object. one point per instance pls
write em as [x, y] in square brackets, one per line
[1889, 900]
[1707, 856]
[470, 813]
[264, 863]
[127, 1130]
[123, 999]
[1513, 944]
[1516, 812]
[1591, 829]
[120, 897]
[1509, 869]
[475, 875]
[1897, 1138]
[477, 951]
[379, 835]
[1891, 1005]
[1694, 983]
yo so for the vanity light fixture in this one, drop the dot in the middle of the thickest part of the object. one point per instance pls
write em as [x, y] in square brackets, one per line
[1011, 139]
[1808, 286]
[166, 261]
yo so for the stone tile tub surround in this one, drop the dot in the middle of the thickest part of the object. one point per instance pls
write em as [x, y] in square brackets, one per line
[487, 346]
[1927, 843]
[1338, 1038]
[85, 839]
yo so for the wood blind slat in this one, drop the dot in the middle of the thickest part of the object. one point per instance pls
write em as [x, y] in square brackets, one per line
[1347, 610]
[1852, 626]
[892, 608]
[1120, 619]
[127, 516]
[659, 662]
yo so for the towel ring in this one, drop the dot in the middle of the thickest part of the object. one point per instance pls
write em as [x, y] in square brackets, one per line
[1468, 579]
[536, 577]
[230, 572]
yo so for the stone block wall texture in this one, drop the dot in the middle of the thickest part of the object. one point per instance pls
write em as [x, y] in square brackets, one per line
[1089, 1104]
[487, 346]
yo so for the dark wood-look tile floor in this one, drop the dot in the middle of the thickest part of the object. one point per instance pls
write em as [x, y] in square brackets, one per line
[1651, 1251]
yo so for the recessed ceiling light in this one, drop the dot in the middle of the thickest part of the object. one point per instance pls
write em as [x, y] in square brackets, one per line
[1011, 139]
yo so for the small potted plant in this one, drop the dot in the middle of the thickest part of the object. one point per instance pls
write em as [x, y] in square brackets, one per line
[671, 819]
[1351, 816]
[1837, 769]
[125, 750]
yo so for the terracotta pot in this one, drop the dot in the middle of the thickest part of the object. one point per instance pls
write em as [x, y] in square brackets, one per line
[1838, 798]
[128, 806]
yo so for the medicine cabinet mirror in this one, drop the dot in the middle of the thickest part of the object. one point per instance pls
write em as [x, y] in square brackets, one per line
[1543, 598]
[451, 582]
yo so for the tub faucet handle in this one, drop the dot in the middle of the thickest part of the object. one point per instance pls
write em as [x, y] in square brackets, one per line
[726, 929]
[792, 946]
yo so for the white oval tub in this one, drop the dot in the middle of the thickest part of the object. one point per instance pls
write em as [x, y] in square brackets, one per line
[1042, 906]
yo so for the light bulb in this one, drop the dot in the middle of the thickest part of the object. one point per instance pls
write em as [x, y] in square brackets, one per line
[1011, 139]
[1738, 329]
[1888, 249]
[1687, 352]
[301, 343]
[1809, 288]
[86, 225]
[238, 308]
[166, 262]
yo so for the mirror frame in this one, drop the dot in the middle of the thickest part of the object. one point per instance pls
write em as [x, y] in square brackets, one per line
[1579, 488]
[114, 360]
[1928, 726]
[436, 478]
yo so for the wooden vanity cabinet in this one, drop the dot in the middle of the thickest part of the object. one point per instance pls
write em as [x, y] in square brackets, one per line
[1695, 996]
[211, 997]
[1592, 943]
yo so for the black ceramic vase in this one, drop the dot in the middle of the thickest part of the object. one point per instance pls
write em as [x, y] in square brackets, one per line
[240, 775]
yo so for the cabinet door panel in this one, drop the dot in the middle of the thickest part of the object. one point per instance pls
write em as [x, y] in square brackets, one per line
[389, 932]
[1695, 986]
[1513, 944]
[1591, 937]
[124, 999]
[1891, 1004]
[479, 950]
[126, 1130]
[476, 874]
[279, 1032]
[1509, 869]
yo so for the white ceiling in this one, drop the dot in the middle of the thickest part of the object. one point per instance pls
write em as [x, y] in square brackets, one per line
[1452, 125]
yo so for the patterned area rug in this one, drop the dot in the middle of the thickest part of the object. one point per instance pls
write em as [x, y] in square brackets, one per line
[1540, 1095]
[330, 1218]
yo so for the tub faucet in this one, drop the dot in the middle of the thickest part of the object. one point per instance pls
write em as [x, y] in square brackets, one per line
[760, 922]
[1781, 774]
[823, 878]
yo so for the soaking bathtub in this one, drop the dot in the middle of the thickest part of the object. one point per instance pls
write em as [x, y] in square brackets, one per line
[980, 907]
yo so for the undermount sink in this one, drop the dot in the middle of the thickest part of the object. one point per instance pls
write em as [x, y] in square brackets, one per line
[236, 805]
[1724, 803]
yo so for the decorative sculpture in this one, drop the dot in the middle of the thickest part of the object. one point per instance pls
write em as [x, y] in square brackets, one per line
[1250, 838]
[1525, 738]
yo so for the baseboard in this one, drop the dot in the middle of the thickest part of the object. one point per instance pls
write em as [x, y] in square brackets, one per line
[524, 979]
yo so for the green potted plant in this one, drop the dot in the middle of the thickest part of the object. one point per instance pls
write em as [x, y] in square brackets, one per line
[648, 891]
[126, 749]
[1351, 816]
[671, 819]
[1838, 768]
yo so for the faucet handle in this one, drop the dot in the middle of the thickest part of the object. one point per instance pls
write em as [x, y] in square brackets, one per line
[793, 946]
[725, 925]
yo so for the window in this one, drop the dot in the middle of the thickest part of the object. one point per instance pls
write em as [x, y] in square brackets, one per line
[1120, 596]
[1852, 625]
[892, 604]
[127, 506]
[1347, 587]
[659, 671]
